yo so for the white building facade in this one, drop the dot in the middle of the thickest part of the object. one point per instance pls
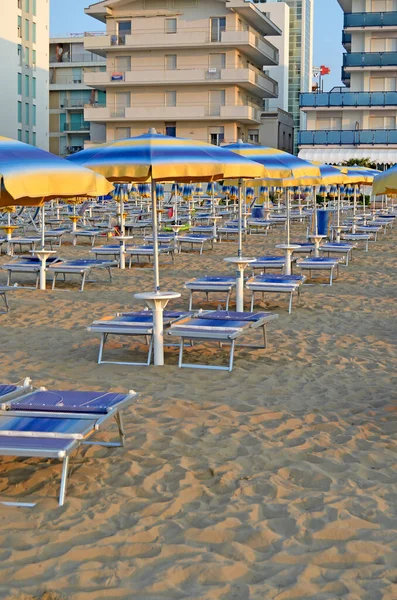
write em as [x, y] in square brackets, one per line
[24, 67]
[359, 120]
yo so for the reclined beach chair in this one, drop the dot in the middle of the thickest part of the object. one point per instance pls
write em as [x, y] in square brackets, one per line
[209, 285]
[194, 239]
[163, 238]
[28, 242]
[148, 252]
[112, 250]
[55, 423]
[321, 263]
[279, 284]
[230, 230]
[82, 267]
[259, 226]
[223, 327]
[304, 248]
[374, 229]
[27, 264]
[339, 248]
[135, 324]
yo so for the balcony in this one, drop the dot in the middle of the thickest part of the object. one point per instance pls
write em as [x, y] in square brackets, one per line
[182, 112]
[67, 59]
[362, 60]
[346, 40]
[367, 20]
[345, 77]
[254, 81]
[361, 137]
[73, 104]
[76, 127]
[348, 100]
[248, 41]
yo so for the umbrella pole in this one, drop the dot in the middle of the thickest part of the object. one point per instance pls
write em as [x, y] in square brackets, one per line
[338, 217]
[288, 199]
[155, 240]
[240, 218]
[42, 226]
[214, 231]
[315, 211]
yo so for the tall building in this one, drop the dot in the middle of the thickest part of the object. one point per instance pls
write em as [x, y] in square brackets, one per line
[24, 71]
[192, 68]
[300, 54]
[69, 62]
[359, 120]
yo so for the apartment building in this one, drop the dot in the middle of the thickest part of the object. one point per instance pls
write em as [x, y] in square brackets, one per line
[191, 68]
[358, 120]
[24, 71]
[69, 62]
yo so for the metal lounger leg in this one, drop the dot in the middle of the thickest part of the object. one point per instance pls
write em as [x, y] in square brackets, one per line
[110, 274]
[190, 300]
[54, 278]
[9, 278]
[231, 355]
[228, 300]
[83, 281]
[101, 346]
[290, 304]
[330, 277]
[64, 480]
[252, 300]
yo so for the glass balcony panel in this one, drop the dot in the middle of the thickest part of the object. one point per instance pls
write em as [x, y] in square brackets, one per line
[308, 99]
[336, 99]
[393, 136]
[377, 99]
[389, 19]
[390, 98]
[333, 137]
[363, 99]
[380, 137]
[347, 137]
[306, 137]
[365, 137]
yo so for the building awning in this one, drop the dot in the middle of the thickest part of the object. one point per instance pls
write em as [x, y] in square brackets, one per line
[339, 155]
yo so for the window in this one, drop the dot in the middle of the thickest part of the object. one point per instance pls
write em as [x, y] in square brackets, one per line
[34, 8]
[34, 138]
[34, 87]
[170, 129]
[19, 26]
[216, 135]
[27, 85]
[34, 58]
[121, 133]
[19, 135]
[253, 136]
[77, 75]
[27, 139]
[27, 113]
[19, 112]
[124, 27]
[27, 29]
[19, 4]
[27, 56]
[34, 114]
[218, 26]
[19, 55]
[123, 63]
[27, 7]
[62, 121]
[19, 83]
[170, 62]
[171, 25]
[34, 33]
[170, 98]
[217, 61]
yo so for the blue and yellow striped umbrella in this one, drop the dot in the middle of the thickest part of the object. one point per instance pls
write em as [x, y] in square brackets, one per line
[233, 192]
[160, 191]
[165, 158]
[198, 190]
[30, 176]
[386, 182]
[278, 164]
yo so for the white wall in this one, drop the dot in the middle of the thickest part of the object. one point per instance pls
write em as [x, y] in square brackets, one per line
[8, 70]
[280, 14]
[42, 73]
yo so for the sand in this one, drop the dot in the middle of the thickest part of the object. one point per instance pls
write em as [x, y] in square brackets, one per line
[277, 481]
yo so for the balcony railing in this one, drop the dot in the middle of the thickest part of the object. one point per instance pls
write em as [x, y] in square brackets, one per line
[348, 99]
[346, 38]
[370, 59]
[359, 137]
[86, 57]
[182, 111]
[76, 127]
[367, 19]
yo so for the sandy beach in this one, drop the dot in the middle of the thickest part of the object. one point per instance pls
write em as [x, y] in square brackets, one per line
[277, 481]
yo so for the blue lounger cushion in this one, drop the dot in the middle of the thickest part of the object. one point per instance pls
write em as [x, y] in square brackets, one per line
[21, 443]
[68, 401]
[229, 315]
[213, 279]
[279, 278]
[270, 258]
[33, 261]
[7, 389]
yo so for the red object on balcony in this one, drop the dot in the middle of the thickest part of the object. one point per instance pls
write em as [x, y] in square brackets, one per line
[324, 70]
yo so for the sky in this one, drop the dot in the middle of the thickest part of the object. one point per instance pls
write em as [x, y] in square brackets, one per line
[67, 16]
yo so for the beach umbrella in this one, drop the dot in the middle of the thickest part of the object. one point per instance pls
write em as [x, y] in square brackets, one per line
[249, 194]
[198, 190]
[160, 191]
[210, 187]
[233, 193]
[386, 182]
[30, 176]
[155, 157]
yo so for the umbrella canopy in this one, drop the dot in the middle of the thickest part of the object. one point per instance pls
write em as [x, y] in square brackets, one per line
[163, 158]
[353, 175]
[30, 176]
[278, 164]
[386, 183]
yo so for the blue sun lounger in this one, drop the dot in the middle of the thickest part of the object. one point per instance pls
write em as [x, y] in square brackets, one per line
[91, 234]
[209, 285]
[268, 262]
[148, 251]
[341, 248]
[223, 327]
[10, 391]
[112, 250]
[320, 263]
[194, 239]
[279, 284]
[27, 264]
[29, 242]
[81, 267]
[135, 324]
[55, 423]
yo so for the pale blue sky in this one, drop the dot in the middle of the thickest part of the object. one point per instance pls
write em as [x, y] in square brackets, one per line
[67, 16]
